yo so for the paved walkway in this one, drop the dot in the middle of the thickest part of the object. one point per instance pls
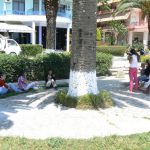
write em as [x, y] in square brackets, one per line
[120, 62]
[35, 115]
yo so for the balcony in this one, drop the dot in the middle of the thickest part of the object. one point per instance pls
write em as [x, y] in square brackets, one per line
[67, 14]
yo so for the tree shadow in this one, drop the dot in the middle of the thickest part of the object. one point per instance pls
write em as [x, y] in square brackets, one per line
[129, 100]
[25, 101]
[122, 97]
[46, 101]
[5, 123]
[32, 100]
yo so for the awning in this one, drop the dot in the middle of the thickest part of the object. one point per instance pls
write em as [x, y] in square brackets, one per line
[110, 17]
[63, 20]
[5, 27]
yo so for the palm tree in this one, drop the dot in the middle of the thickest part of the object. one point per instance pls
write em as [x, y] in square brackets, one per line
[144, 5]
[51, 8]
[118, 28]
[83, 56]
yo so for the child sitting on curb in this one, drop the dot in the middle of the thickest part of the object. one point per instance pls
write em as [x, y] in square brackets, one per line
[24, 84]
[51, 80]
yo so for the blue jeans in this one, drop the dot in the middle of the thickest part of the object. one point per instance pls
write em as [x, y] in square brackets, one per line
[4, 90]
[14, 88]
[143, 78]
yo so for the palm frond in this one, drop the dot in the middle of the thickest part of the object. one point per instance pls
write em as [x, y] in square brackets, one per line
[144, 5]
[126, 5]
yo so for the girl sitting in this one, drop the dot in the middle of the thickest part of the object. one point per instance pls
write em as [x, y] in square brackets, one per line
[4, 88]
[24, 84]
[51, 80]
[146, 72]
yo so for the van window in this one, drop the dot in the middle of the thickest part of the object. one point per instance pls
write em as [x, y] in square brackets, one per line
[11, 43]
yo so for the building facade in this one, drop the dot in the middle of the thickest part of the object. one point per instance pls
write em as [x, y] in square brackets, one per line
[137, 28]
[25, 21]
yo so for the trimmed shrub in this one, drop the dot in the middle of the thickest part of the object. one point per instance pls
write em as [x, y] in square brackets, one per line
[12, 65]
[37, 67]
[58, 62]
[144, 58]
[114, 50]
[106, 100]
[31, 50]
[103, 63]
[64, 99]
[88, 101]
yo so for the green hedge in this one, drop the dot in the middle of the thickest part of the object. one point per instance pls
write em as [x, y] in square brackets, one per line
[103, 63]
[37, 67]
[144, 58]
[31, 50]
[58, 62]
[12, 65]
[114, 50]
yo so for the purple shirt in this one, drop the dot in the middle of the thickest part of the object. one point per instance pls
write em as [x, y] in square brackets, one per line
[21, 82]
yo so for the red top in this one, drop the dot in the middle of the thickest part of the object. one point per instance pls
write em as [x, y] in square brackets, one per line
[2, 83]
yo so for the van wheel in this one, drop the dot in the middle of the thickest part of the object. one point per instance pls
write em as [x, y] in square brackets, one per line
[13, 54]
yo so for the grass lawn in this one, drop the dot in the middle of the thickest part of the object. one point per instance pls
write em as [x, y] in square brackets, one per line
[133, 142]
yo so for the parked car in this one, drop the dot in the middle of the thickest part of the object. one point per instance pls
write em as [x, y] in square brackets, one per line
[9, 46]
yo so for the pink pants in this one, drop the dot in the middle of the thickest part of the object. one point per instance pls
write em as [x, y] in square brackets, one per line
[133, 78]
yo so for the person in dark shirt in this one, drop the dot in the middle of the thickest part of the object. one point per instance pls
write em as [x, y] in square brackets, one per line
[146, 72]
[4, 88]
[51, 79]
[147, 69]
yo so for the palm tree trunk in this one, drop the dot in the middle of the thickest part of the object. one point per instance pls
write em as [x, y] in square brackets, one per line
[83, 60]
[51, 8]
[50, 33]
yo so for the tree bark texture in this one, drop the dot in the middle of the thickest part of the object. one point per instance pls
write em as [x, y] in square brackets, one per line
[84, 35]
[51, 8]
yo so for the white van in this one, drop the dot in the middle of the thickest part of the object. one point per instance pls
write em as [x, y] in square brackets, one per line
[9, 46]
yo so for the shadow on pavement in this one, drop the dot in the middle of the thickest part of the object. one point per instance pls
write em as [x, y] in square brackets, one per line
[122, 97]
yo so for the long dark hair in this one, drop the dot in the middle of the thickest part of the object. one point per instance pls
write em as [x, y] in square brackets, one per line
[21, 73]
[148, 62]
[133, 52]
[1, 74]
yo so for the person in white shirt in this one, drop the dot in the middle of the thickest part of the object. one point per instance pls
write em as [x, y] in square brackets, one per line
[133, 60]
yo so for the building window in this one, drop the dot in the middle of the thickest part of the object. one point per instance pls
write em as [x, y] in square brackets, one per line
[62, 8]
[19, 6]
[35, 5]
[43, 6]
[68, 8]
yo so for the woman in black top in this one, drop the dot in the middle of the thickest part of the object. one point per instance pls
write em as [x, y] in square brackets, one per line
[51, 80]
[145, 76]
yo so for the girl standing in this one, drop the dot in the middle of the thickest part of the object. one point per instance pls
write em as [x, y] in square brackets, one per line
[133, 60]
